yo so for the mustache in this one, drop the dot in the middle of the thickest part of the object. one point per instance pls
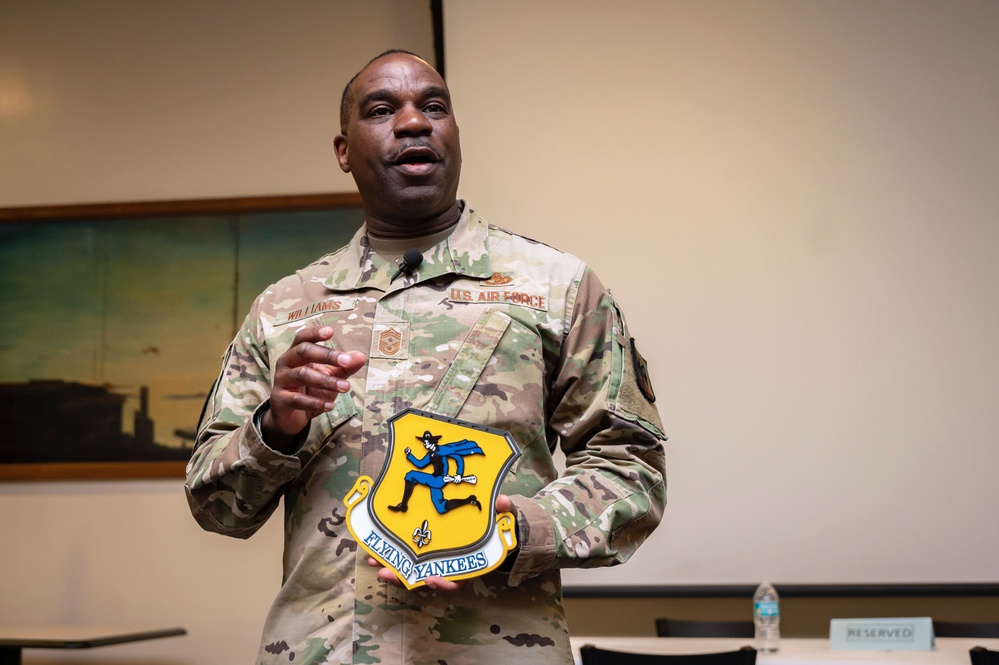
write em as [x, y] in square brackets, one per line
[422, 144]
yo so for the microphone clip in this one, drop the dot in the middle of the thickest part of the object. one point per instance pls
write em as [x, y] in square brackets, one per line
[409, 262]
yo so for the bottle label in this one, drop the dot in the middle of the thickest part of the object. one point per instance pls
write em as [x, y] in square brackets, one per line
[766, 608]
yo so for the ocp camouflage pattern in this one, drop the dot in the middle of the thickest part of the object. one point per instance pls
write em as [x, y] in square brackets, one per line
[495, 329]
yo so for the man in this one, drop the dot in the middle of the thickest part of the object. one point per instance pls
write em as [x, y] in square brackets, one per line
[490, 328]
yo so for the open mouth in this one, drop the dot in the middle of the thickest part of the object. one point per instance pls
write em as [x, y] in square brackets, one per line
[416, 158]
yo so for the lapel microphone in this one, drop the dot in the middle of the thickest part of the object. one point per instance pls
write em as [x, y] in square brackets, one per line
[411, 260]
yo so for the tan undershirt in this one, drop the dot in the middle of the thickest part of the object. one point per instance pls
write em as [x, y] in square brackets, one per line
[392, 249]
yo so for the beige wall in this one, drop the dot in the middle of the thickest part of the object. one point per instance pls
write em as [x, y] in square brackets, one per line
[140, 100]
[127, 100]
[795, 202]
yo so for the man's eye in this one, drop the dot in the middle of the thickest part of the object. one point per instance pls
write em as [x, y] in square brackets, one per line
[379, 111]
[435, 107]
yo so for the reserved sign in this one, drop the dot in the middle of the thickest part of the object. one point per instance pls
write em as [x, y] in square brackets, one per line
[885, 634]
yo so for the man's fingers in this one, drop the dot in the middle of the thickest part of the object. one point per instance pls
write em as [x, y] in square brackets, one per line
[312, 404]
[315, 334]
[308, 378]
[354, 361]
[433, 582]
[319, 377]
[445, 585]
[384, 574]
[309, 348]
[305, 353]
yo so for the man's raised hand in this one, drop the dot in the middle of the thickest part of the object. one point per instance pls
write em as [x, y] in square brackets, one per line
[307, 379]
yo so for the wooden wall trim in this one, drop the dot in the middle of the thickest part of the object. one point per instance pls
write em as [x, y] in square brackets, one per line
[235, 205]
[785, 590]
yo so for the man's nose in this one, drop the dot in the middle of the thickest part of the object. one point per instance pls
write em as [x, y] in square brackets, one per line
[411, 121]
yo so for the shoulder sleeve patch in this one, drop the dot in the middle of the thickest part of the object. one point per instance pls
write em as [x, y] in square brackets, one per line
[641, 372]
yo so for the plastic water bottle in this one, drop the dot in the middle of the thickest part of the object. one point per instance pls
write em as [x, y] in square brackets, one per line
[766, 617]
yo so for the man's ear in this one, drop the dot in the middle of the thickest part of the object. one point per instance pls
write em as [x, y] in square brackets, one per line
[340, 148]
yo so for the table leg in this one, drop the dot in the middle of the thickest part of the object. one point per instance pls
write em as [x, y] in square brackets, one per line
[10, 655]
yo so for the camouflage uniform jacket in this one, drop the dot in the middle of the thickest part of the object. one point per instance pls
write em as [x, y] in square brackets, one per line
[554, 367]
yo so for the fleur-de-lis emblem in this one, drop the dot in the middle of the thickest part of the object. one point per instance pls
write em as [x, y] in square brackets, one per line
[421, 535]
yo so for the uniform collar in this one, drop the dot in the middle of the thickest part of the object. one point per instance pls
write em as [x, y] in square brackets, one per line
[465, 252]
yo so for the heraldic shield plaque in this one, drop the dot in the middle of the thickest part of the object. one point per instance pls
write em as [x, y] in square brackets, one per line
[432, 510]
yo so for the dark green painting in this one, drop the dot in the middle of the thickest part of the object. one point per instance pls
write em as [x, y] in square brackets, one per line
[112, 330]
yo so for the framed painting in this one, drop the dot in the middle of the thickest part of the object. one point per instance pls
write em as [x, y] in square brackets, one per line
[114, 319]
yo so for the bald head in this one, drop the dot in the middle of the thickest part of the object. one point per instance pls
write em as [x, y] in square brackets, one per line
[347, 99]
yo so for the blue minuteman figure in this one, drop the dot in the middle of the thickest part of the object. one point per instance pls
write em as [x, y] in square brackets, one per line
[438, 457]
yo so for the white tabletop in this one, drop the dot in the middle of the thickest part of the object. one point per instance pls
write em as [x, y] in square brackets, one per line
[948, 650]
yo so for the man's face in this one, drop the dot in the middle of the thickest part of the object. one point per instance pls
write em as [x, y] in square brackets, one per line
[401, 141]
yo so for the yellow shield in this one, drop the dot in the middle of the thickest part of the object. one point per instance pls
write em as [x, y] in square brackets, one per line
[432, 509]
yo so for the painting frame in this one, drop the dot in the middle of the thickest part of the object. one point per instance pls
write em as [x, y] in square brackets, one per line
[211, 208]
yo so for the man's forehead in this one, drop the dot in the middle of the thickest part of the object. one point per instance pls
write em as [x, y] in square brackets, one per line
[394, 71]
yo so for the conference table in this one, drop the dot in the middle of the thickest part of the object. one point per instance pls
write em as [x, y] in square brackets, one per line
[14, 639]
[796, 651]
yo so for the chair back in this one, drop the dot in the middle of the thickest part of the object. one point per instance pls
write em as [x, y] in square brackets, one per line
[667, 627]
[983, 656]
[592, 655]
[965, 629]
